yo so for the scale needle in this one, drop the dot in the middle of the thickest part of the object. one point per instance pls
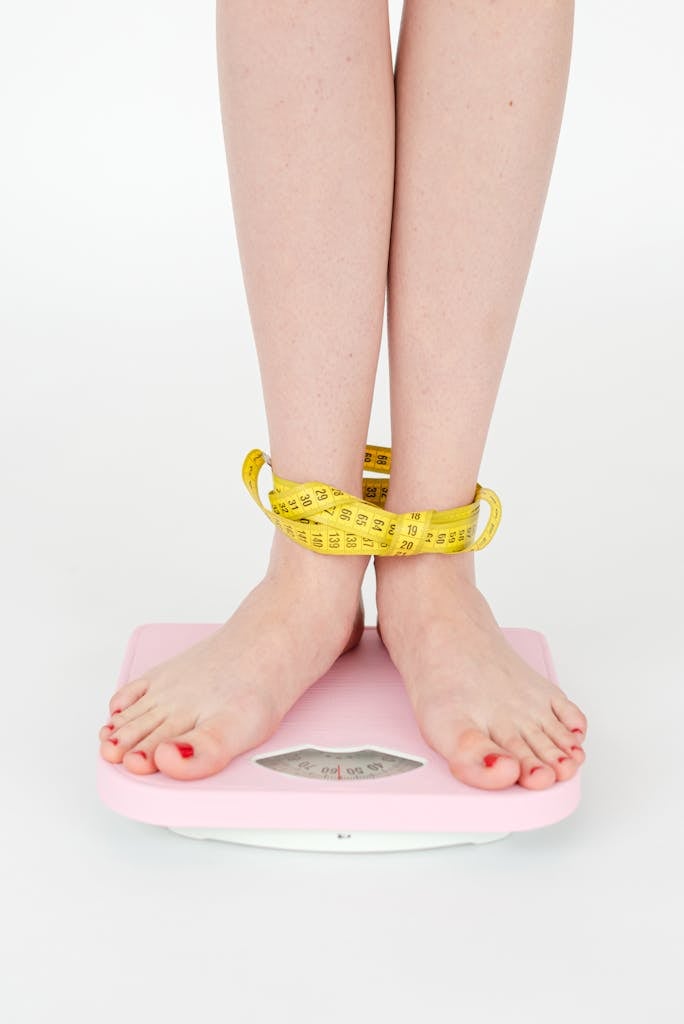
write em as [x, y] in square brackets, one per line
[338, 772]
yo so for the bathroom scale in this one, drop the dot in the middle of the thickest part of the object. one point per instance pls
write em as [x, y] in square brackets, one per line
[347, 769]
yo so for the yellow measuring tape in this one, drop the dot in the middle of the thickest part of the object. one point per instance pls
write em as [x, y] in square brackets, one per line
[333, 522]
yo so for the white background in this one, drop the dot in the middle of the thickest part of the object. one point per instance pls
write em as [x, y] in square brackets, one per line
[129, 395]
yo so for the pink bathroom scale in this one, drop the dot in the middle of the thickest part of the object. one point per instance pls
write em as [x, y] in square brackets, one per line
[347, 769]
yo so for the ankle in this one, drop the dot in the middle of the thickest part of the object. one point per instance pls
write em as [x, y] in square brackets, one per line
[292, 561]
[437, 492]
[410, 569]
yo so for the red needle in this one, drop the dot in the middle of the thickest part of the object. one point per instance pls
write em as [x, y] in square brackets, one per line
[338, 772]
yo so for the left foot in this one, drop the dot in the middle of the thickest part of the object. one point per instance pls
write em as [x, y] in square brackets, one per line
[477, 702]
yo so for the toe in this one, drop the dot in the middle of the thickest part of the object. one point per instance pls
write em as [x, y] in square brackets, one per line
[199, 752]
[120, 716]
[106, 731]
[570, 715]
[109, 749]
[123, 716]
[546, 750]
[564, 739]
[127, 695]
[534, 773]
[478, 761]
[117, 743]
[215, 740]
[140, 759]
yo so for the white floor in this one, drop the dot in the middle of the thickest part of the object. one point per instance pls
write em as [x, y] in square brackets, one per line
[130, 394]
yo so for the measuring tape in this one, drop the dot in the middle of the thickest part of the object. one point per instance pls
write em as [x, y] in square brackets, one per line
[333, 522]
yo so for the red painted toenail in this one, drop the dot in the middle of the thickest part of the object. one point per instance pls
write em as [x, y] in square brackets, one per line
[563, 758]
[536, 768]
[185, 749]
[575, 748]
[114, 741]
[141, 752]
[491, 759]
[580, 731]
[109, 726]
[117, 711]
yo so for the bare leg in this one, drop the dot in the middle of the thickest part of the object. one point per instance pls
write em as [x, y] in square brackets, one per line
[480, 91]
[308, 110]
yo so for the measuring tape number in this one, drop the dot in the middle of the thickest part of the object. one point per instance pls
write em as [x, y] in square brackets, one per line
[333, 522]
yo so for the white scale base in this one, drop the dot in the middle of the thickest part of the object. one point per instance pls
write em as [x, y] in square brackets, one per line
[339, 842]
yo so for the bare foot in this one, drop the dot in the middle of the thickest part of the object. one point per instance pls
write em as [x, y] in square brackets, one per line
[189, 716]
[477, 702]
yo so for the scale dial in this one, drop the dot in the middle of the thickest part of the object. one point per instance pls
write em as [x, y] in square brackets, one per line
[350, 765]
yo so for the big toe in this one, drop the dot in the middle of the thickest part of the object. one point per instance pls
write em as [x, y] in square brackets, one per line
[213, 742]
[478, 761]
[195, 754]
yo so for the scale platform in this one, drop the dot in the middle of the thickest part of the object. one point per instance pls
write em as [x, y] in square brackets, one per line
[347, 769]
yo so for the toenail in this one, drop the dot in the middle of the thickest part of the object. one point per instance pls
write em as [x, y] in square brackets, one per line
[185, 749]
[113, 740]
[141, 752]
[563, 758]
[575, 748]
[580, 731]
[491, 759]
[117, 711]
[536, 768]
[109, 726]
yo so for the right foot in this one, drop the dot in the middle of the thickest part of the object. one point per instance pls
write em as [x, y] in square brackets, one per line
[189, 716]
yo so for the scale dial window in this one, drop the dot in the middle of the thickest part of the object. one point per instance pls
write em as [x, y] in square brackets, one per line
[357, 765]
